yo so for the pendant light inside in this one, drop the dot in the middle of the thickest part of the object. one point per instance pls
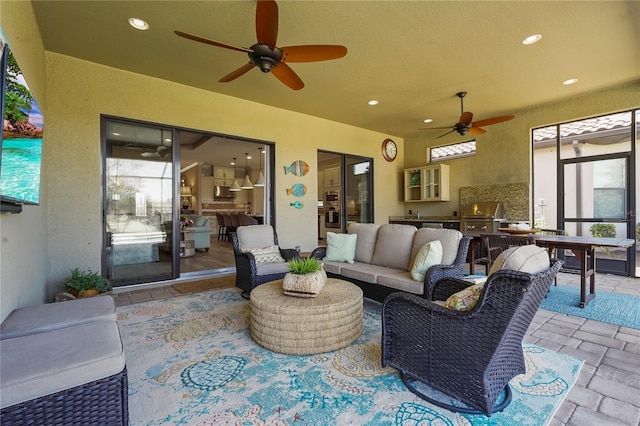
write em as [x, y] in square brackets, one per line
[260, 181]
[246, 183]
[234, 186]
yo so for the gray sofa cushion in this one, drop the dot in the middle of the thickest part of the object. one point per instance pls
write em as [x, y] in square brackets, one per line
[367, 235]
[393, 246]
[52, 316]
[401, 281]
[365, 272]
[41, 364]
[449, 238]
[333, 267]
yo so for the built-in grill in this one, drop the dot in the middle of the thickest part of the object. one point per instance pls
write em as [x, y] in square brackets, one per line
[482, 217]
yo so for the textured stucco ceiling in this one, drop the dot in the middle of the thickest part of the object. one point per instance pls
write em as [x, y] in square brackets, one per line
[412, 56]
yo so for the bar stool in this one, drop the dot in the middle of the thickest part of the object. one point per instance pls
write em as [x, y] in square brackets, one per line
[222, 226]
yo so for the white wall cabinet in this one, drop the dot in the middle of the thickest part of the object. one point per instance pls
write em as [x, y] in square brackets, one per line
[331, 177]
[206, 189]
[223, 176]
[426, 183]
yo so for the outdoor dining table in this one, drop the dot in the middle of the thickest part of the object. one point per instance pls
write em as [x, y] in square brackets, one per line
[584, 249]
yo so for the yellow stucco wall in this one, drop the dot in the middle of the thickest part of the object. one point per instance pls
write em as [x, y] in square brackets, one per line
[79, 91]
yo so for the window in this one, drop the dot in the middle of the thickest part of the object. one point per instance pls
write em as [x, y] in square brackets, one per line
[456, 150]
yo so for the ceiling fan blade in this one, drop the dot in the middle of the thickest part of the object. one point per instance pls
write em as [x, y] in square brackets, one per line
[493, 120]
[466, 118]
[312, 53]
[435, 128]
[211, 42]
[446, 134]
[267, 22]
[285, 74]
[477, 131]
[237, 73]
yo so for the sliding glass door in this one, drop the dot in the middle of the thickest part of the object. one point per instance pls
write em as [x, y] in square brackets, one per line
[139, 202]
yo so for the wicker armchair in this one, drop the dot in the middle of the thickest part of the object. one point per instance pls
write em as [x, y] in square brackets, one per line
[249, 273]
[470, 356]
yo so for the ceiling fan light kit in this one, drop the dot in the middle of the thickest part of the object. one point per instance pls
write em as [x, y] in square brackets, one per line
[466, 124]
[266, 56]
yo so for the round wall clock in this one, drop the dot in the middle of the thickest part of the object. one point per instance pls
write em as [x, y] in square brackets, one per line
[389, 150]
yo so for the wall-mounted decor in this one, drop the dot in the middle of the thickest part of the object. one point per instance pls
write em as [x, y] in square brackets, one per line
[297, 204]
[297, 190]
[298, 168]
[21, 140]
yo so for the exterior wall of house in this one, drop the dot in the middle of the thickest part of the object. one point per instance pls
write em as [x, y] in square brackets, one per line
[504, 153]
[23, 237]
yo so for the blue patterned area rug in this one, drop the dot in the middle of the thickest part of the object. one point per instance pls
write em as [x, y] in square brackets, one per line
[614, 308]
[191, 361]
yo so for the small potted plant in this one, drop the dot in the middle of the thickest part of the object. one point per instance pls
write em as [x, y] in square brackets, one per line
[305, 278]
[86, 283]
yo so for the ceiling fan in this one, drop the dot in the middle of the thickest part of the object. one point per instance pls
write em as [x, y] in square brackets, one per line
[466, 125]
[161, 151]
[266, 56]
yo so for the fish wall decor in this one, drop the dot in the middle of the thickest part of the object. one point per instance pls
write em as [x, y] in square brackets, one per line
[297, 204]
[298, 168]
[297, 190]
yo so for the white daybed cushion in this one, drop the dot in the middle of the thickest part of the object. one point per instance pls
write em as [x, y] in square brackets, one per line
[52, 316]
[41, 364]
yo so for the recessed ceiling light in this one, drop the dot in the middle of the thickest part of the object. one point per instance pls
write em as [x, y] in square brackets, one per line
[427, 120]
[116, 134]
[233, 163]
[248, 157]
[138, 24]
[570, 81]
[532, 39]
[373, 102]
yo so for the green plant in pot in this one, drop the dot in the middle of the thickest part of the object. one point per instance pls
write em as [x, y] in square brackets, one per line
[603, 230]
[306, 278]
[86, 283]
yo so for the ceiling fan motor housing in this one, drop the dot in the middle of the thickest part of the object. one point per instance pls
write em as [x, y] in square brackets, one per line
[263, 57]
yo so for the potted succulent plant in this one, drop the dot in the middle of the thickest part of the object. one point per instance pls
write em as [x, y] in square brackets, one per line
[305, 278]
[86, 283]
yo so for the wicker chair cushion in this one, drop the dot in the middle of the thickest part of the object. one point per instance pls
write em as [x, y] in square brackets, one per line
[41, 364]
[255, 236]
[367, 234]
[271, 268]
[393, 246]
[52, 316]
[429, 254]
[449, 238]
[466, 299]
[341, 247]
[269, 254]
[530, 259]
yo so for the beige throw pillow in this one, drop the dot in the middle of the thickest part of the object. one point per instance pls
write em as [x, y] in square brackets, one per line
[429, 254]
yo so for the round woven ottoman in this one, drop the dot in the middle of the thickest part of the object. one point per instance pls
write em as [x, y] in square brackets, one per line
[305, 326]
